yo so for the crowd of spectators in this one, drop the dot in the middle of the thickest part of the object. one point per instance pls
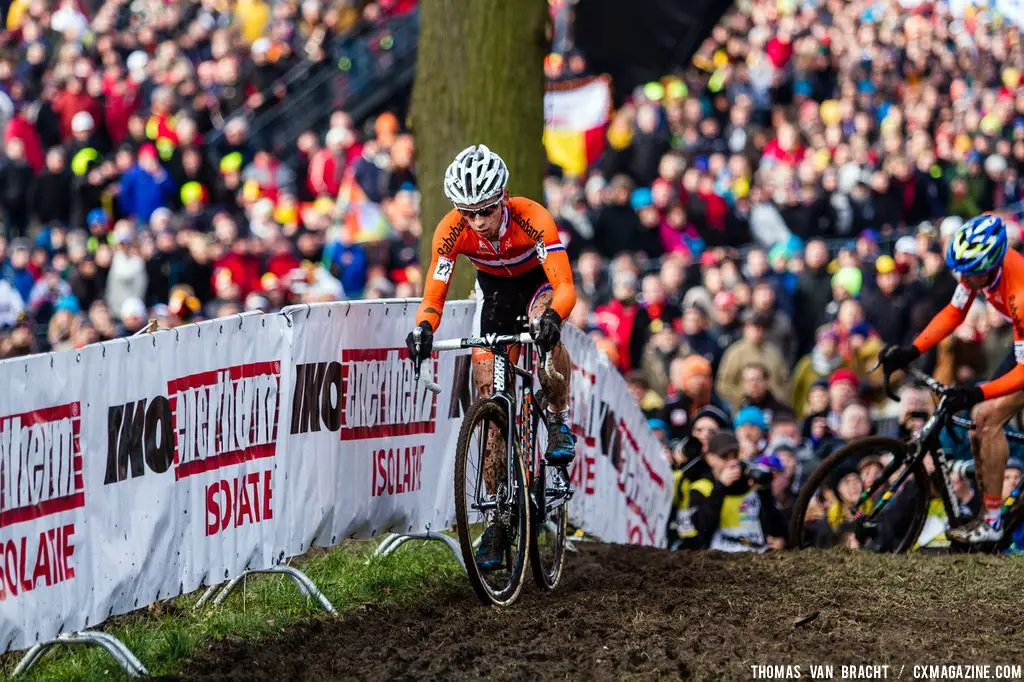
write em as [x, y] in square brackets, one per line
[133, 186]
[758, 226]
[763, 222]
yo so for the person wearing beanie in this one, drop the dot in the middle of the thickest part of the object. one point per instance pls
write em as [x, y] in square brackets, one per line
[146, 186]
[843, 390]
[690, 390]
[816, 366]
[751, 427]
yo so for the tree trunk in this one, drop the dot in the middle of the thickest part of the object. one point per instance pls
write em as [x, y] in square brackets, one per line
[479, 80]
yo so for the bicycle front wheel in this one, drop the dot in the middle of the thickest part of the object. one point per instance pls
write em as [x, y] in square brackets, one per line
[869, 495]
[491, 506]
[547, 549]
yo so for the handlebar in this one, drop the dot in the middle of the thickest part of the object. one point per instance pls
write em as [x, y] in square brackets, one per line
[428, 377]
[933, 385]
[929, 381]
[547, 367]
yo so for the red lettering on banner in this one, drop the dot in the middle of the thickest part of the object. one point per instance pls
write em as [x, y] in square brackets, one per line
[268, 492]
[635, 534]
[40, 560]
[244, 506]
[581, 474]
[224, 417]
[40, 463]
[640, 499]
[380, 396]
[236, 502]
[397, 470]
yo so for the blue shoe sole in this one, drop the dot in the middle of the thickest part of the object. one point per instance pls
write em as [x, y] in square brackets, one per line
[488, 566]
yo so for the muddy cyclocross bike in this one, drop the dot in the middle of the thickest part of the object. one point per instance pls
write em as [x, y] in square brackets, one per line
[520, 496]
[885, 511]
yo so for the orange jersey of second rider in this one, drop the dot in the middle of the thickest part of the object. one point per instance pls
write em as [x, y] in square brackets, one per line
[1006, 295]
[526, 240]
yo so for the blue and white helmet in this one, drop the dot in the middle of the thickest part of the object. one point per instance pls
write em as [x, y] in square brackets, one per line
[977, 247]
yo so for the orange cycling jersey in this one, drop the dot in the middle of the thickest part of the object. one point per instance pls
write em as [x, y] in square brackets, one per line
[526, 240]
[1005, 294]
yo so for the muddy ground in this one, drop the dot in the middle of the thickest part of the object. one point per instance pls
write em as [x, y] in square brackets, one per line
[634, 613]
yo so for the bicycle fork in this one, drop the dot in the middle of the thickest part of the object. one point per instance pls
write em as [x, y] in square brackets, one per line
[495, 502]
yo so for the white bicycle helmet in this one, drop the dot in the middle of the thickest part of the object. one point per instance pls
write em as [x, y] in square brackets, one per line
[476, 175]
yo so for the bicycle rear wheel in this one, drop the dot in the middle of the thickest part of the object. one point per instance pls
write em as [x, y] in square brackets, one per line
[549, 528]
[506, 508]
[843, 504]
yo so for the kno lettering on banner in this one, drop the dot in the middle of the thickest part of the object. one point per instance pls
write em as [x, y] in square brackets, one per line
[238, 502]
[210, 420]
[371, 393]
[40, 464]
[397, 470]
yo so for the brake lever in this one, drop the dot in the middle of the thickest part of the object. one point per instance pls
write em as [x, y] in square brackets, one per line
[417, 333]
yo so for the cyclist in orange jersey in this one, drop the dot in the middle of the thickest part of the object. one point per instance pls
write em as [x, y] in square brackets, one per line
[978, 253]
[522, 267]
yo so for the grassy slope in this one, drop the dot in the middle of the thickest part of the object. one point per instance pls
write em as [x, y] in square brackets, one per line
[347, 576]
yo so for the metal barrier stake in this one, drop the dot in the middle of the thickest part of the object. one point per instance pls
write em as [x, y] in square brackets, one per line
[112, 645]
[395, 540]
[206, 597]
[301, 580]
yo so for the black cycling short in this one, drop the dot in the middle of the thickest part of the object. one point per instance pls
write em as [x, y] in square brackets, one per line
[507, 298]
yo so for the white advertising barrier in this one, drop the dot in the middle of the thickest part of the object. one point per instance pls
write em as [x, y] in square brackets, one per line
[143, 468]
[47, 574]
[623, 483]
[135, 471]
[368, 449]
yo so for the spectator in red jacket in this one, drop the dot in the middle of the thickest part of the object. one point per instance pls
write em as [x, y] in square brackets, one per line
[69, 101]
[618, 316]
[328, 164]
[20, 128]
[121, 101]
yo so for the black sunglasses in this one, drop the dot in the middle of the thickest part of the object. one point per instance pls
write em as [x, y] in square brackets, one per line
[484, 212]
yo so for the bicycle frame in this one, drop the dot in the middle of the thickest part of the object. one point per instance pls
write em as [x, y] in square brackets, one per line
[503, 392]
[926, 441]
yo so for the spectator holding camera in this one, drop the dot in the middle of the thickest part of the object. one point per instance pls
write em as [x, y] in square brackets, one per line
[734, 509]
[689, 464]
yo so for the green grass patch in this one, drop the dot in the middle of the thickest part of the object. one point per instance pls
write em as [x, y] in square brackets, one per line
[264, 604]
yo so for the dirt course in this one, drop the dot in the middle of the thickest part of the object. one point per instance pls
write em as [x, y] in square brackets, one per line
[634, 613]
